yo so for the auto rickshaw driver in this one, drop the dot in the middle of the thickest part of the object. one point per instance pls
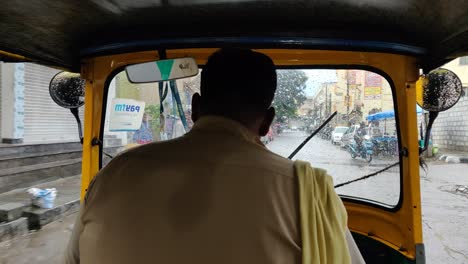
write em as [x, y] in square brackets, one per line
[233, 202]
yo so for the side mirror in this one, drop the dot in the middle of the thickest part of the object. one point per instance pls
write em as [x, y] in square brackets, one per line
[162, 70]
[439, 90]
[67, 90]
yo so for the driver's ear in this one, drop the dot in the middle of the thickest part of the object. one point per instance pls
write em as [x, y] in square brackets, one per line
[196, 107]
[267, 120]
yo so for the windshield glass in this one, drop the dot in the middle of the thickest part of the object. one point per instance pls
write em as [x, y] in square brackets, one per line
[304, 100]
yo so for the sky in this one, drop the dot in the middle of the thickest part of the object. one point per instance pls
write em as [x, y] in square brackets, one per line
[316, 77]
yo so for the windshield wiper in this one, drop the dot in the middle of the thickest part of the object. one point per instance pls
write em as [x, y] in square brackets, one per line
[311, 135]
[368, 176]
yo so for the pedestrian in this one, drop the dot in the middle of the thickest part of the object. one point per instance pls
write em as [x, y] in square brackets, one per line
[216, 194]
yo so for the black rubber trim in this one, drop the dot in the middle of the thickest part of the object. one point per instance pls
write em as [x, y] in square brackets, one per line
[254, 42]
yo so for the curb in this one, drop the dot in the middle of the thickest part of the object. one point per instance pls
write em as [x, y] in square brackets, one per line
[453, 159]
[38, 217]
[10, 230]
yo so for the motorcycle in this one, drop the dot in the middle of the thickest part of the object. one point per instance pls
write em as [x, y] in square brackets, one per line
[326, 133]
[385, 146]
[363, 150]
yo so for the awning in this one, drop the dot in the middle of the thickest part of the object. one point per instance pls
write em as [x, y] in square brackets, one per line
[388, 114]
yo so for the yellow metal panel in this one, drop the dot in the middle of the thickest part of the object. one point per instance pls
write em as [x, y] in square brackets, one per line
[401, 229]
[13, 56]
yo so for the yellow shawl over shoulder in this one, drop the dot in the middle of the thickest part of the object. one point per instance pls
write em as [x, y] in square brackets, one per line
[323, 217]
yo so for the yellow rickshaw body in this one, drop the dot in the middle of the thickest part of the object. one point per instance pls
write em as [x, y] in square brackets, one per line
[399, 229]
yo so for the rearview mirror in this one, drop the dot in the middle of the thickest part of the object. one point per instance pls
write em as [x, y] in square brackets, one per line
[439, 90]
[162, 70]
[67, 90]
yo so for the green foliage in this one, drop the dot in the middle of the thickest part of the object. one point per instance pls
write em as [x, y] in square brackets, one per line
[290, 93]
[153, 112]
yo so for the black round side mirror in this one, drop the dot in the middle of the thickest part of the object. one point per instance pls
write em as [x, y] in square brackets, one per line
[67, 90]
[439, 90]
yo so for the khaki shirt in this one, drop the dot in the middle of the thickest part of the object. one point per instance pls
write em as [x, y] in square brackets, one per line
[215, 195]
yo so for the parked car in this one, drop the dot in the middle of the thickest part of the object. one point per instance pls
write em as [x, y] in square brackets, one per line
[326, 133]
[337, 134]
[348, 136]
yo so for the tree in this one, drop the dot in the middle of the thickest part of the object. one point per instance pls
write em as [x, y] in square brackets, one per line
[290, 93]
[153, 112]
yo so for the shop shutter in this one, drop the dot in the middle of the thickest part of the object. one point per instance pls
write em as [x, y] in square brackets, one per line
[1, 88]
[44, 121]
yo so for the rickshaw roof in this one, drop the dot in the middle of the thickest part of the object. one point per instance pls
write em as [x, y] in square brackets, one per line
[61, 33]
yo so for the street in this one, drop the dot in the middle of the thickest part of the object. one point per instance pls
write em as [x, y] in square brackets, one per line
[445, 211]
[383, 188]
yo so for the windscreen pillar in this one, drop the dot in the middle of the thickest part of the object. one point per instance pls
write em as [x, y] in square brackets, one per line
[12, 102]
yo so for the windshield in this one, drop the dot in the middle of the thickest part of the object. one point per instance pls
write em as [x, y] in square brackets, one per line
[304, 100]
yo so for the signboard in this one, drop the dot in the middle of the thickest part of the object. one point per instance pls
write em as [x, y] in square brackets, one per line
[373, 86]
[373, 80]
[372, 92]
[126, 114]
[351, 77]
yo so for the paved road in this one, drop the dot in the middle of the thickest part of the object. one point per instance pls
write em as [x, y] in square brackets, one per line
[445, 212]
[383, 188]
[41, 247]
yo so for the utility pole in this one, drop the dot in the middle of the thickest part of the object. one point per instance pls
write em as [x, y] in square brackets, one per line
[347, 94]
[326, 99]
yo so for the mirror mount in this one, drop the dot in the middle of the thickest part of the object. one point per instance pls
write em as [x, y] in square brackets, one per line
[75, 113]
[162, 54]
[432, 117]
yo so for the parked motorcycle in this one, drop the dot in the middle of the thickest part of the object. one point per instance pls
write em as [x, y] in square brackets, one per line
[326, 133]
[363, 150]
[385, 146]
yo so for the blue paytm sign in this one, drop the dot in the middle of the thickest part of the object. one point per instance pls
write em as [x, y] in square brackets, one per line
[127, 108]
[126, 114]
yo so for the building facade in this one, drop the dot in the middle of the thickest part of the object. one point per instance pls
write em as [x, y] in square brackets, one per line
[27, 113]
[450, 130]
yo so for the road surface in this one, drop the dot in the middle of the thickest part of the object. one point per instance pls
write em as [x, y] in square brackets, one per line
[445, 211]
[383, 188]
